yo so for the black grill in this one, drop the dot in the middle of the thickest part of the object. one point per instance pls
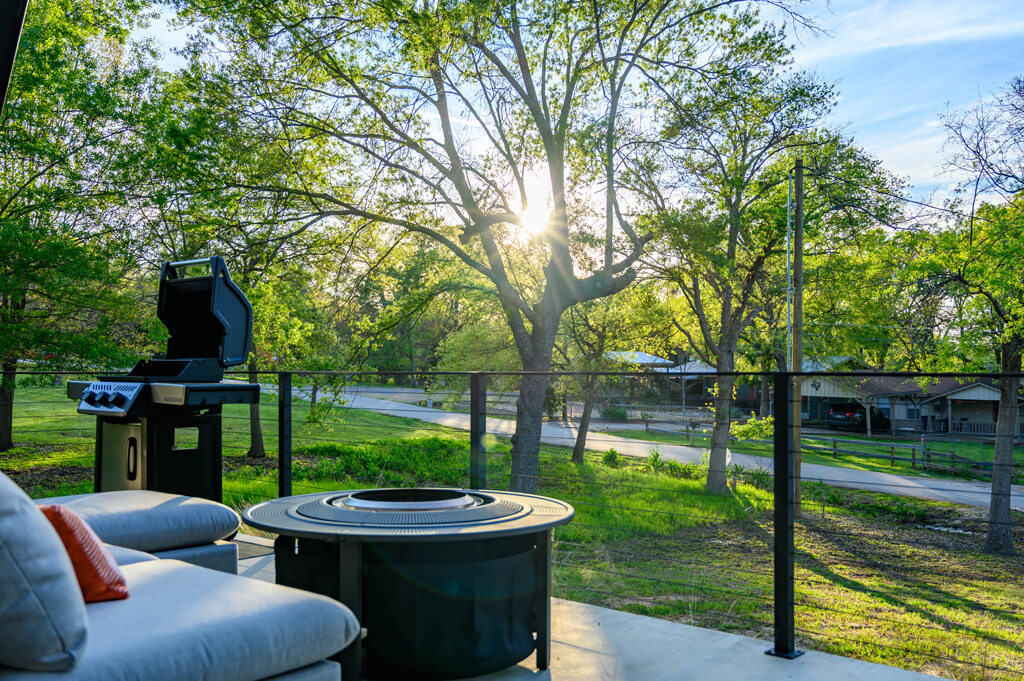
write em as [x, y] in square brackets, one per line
[159, 427]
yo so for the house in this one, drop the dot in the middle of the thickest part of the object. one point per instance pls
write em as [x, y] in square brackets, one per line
[937, 405]
[689, 383]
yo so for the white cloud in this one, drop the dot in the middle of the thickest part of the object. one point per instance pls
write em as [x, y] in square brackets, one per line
[856, 28]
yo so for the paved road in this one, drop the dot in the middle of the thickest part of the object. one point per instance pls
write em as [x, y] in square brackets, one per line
[969, 492]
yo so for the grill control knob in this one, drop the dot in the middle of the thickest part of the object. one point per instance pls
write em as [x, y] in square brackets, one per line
[117, 399]
[104, 398]
[89, 397]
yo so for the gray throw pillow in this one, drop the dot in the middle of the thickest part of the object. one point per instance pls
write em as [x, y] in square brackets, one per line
[42, 615]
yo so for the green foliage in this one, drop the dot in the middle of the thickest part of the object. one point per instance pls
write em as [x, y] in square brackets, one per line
[74, 94]
[690, 470]
[610, 458]
[386, 463]
[614, 412]
[754, 429]
[761, 478]
[654, 461]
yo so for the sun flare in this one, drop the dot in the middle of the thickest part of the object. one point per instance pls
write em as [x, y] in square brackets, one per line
[535, 218]
[536, 211]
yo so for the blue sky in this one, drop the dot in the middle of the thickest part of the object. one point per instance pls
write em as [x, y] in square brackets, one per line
[901, 63]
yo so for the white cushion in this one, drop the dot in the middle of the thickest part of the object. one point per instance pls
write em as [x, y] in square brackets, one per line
[42, 614]
[151, 521]
[187, 622]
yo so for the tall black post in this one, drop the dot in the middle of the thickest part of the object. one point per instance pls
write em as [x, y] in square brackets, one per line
[477, 429]
[284, 434]
[785, 483]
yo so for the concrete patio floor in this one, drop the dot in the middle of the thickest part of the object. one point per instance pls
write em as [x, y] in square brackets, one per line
[591, 643]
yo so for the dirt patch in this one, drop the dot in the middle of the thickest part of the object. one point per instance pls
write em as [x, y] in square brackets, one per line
[50, 477]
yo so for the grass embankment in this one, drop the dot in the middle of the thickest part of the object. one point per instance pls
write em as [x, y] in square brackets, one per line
[977, 451]
[872, 581]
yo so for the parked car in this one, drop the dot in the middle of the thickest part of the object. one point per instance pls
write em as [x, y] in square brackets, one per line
[850, 416]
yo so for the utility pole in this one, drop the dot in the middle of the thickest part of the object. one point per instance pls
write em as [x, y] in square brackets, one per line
[798, 320]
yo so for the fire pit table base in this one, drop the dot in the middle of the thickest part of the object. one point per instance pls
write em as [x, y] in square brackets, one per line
[446, 583]
[437, 610]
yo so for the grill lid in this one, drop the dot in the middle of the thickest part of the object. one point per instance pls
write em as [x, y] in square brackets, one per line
[208, 316]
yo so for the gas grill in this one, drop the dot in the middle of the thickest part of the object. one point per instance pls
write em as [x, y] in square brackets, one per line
[159, 427]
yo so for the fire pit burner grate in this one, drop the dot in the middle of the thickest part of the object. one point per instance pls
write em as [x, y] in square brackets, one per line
[409, 500]
[392, 510]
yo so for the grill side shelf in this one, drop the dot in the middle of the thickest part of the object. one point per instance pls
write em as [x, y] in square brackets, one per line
[200, 394]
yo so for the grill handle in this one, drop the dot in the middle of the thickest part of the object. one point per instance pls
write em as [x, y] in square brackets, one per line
[186, 263]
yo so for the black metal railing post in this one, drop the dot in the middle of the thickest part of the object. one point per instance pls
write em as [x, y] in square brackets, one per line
[785, 486]
[477, 430]
[284, 434]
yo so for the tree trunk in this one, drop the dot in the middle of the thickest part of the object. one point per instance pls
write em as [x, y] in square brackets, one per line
[589, 390]
[256, 449]
[719, 460]
[7, 384]
[766, 395]
[526, 441]
[1000, 534]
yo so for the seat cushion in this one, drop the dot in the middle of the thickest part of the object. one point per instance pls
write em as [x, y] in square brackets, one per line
[187, 622]
[221, 555]
[151, 521]
[43, 622]
[125, 556]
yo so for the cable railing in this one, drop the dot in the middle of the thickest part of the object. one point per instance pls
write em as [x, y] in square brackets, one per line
[819, 540]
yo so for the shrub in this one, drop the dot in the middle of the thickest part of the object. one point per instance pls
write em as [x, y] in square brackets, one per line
[613, 412]
[611, 458]
[654, 461]
[760, 478]
[754, 429]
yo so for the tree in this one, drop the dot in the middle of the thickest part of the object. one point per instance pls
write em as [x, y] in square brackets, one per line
[977, 260]
[77, 86]
[988, 141]
[476, 123]
[725, 142]
[981, 263]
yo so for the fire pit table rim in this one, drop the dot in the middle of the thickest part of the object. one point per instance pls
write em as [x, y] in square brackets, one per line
[325, 516]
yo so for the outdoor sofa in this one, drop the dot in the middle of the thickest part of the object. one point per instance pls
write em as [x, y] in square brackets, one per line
[180, 621]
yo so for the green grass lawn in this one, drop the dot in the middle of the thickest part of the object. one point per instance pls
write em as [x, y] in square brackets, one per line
[872, 581]
[974, 450]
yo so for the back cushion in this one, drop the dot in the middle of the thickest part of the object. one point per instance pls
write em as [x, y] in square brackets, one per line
[42, 614]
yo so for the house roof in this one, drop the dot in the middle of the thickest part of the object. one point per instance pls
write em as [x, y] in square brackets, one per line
[638, 358]
[694, 367]
[898, 386]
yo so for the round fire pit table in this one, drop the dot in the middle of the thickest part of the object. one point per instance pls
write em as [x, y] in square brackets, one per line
[448, 583]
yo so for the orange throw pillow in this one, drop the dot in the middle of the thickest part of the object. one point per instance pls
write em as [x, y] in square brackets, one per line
[98, 575]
